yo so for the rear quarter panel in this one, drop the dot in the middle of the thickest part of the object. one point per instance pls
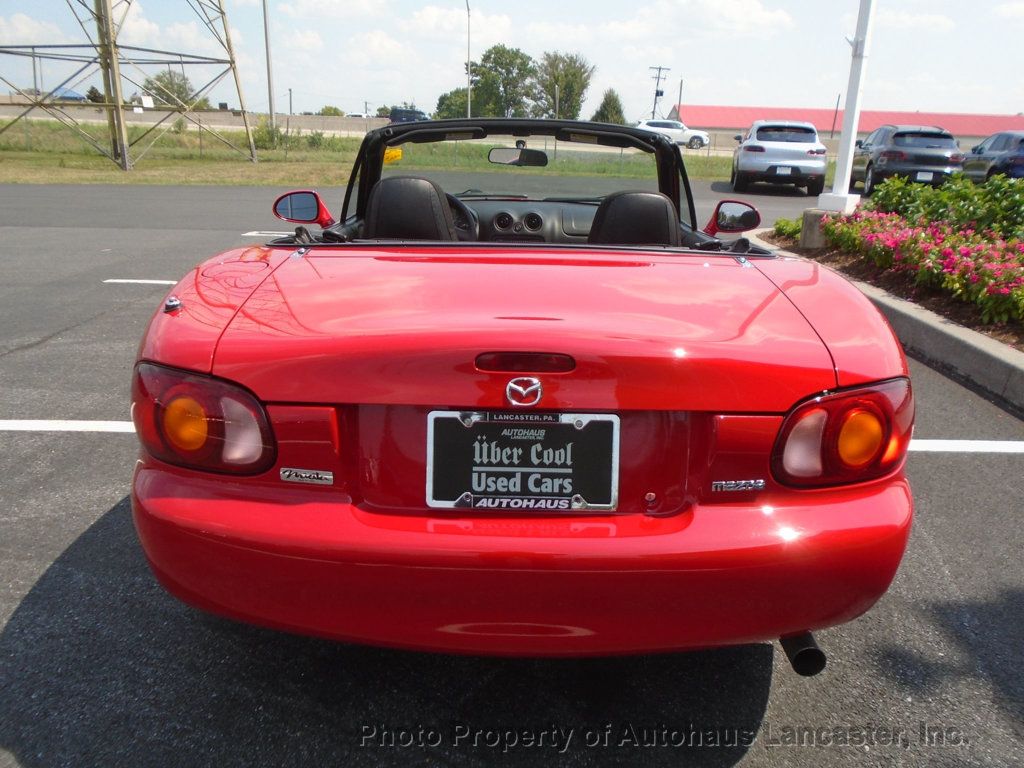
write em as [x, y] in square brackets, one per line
[859, 338]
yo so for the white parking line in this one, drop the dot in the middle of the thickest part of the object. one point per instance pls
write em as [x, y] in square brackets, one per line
[919, 446]
[141, 282]
[967, 446]
[61, 425]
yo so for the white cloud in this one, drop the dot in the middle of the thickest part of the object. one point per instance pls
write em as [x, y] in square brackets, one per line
[336, 10]
[916, 21]
[1010, 10]
[20, 29]
[434, 22]
[740, 17]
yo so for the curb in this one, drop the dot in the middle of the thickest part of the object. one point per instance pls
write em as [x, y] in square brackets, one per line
[993, 369]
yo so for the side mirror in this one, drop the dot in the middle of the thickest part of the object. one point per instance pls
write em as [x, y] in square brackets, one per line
[738, 137]
[521, 156]
[859, 144]
[976, 149]
[303, 207]
[732, 216]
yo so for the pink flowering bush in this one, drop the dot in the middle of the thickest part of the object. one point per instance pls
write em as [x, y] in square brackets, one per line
[935, 236]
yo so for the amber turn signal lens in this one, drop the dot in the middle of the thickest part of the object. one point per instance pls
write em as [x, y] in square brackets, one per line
[185, 424]
[860, 438]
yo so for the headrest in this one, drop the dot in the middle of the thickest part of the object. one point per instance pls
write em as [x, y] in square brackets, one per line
[408, 208]
[635, 218]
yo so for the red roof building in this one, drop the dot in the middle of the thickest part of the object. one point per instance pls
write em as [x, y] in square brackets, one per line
[739, 118]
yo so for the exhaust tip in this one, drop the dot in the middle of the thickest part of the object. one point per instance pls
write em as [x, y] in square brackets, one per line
[804, 655]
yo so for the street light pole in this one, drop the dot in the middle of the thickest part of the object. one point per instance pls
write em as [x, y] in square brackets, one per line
[469, 78]
[840, 199]
[270, 74]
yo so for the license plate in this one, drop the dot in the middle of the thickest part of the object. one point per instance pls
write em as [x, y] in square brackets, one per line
[924, 176]
[784, 170]
[522, 461]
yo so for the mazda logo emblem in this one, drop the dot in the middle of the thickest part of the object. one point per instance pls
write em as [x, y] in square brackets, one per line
[524, 391]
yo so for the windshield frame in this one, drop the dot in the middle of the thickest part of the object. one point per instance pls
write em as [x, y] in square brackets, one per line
[671, 172]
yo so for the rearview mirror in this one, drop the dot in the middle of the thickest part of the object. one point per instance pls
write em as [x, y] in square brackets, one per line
[521, 156]
[303, 207]
[732, 216]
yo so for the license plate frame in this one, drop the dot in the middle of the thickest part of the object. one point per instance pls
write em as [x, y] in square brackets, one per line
[924, 176]
[783, 170]
[458, 462]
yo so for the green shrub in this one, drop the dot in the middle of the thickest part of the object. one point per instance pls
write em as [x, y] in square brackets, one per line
[996, 206]
[315, 140]
[266, 136]
[788, 227]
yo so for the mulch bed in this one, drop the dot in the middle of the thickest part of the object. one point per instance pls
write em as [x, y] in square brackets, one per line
[902, 284]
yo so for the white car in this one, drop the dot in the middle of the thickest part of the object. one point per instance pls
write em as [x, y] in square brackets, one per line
[676, 131]
[780, 152]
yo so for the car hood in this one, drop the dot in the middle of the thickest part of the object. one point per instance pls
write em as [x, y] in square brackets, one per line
[650, 331]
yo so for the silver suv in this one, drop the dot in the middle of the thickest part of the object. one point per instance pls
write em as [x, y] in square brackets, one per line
[780, 152]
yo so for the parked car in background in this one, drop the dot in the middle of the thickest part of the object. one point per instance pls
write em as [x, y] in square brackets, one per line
[407, 115]
[780, 152]
[999, 153]
[676, 131]
[922, 153]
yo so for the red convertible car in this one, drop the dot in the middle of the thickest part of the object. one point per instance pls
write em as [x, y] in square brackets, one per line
[513, 401]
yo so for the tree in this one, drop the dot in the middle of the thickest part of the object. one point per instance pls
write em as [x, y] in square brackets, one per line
[610, 110]
[328, 111]
[383, 111]
[451, 105]
[170, 88]
[94, 95]
[571, 73]
[501, 82]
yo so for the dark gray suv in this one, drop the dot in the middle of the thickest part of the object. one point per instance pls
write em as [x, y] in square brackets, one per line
[999, 153]
[921, 153]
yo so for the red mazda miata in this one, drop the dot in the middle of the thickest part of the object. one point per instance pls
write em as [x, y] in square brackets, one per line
[542, 415]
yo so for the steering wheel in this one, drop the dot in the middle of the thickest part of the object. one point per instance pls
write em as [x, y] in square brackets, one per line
[467, 223]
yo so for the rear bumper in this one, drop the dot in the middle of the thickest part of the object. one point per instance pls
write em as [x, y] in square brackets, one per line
[799, 171]
[939, 174]
[308, 562]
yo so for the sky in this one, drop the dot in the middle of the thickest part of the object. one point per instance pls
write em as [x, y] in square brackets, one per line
[926, 55]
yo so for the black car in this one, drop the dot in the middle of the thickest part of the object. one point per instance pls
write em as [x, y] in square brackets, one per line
[999, 153]
[921, 153]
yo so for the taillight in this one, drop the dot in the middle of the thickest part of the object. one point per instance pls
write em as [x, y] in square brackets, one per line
[200, 422]
[1019, 160]
[753, 148]
[892, 154]
[956, 157]
[847, 436]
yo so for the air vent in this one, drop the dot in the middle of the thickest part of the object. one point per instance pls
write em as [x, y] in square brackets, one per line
[533, 221]
[503, 220]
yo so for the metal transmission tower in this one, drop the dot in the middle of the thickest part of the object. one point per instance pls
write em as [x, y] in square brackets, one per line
[101, 22]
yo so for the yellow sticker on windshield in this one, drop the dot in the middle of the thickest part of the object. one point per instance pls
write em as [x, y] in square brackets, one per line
[392, 154]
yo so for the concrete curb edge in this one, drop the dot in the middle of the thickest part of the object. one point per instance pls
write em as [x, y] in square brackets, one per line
[992, 369]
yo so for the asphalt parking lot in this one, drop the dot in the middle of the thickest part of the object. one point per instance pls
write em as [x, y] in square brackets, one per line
[99, 667]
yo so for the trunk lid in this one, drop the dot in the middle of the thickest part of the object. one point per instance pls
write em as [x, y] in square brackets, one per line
[648, 331]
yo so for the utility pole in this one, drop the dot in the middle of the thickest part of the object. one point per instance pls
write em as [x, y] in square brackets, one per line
[290, 112]
[469, 77]
[270, 74]
[679, 102]
[658, 93]
[840, 199]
